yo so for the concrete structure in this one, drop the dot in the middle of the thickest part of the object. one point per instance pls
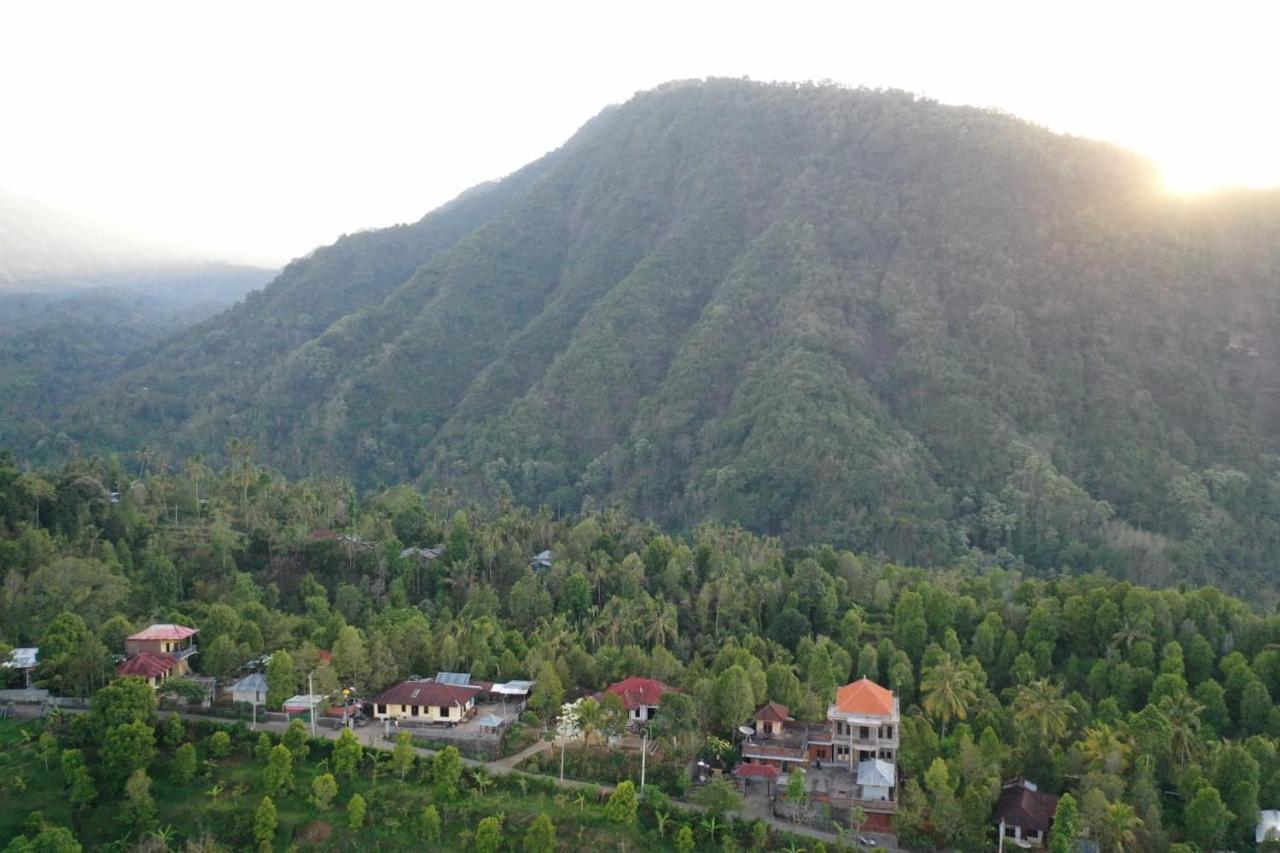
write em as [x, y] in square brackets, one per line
[877, 778]
[427, 702]
[865, 720]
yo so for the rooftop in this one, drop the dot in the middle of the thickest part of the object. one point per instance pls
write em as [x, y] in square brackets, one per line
[147, 665]
[254, 682]
[773, 712]
[22, 658]
[864, 696]
[164, 631]
[636, 692]
[1022, 804]
[427, 693]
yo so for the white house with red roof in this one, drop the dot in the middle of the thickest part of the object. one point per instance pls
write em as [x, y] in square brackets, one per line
[864, 721]
[640, 696]
[159, 652]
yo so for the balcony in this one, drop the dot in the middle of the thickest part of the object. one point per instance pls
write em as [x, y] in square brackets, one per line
[184, 652]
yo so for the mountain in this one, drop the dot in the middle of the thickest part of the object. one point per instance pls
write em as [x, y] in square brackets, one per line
[936, 332]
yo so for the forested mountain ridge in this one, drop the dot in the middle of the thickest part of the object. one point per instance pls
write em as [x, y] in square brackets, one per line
[837, 315]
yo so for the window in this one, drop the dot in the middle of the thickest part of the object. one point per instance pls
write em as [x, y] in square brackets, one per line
[864, 733]
[381, 709]
[415, 710]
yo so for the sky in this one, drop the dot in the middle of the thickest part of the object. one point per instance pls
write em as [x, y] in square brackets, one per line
[257, 131]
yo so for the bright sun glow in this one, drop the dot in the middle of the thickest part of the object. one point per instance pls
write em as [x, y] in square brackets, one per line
[260, 130]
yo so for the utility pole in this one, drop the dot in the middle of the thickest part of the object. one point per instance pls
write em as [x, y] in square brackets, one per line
[311, 702]
[561, 759]
[644, 753]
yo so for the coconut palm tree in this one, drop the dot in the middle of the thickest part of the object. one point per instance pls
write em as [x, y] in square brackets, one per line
[663, 624]
[948, 688]
[1119, 830]
[1104, 747]
[1182, 713]
[1040, 708]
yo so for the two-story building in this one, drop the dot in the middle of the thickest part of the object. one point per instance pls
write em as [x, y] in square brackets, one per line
[864, 721]
[159, 652]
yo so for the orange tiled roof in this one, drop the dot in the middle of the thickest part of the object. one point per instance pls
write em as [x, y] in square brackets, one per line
[864, 696]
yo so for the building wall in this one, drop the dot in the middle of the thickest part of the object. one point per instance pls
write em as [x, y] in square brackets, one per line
[424, 713]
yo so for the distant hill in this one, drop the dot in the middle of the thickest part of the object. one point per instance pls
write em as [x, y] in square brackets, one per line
[931, 331]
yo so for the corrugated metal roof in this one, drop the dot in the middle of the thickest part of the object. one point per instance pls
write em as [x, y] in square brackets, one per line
[254, 682]
[164, 631]
[460, 678]
[24, 658]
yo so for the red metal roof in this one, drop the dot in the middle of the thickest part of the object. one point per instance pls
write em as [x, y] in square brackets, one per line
[758, 771]
[433, 693]
[164, 631]
[636, 692]
[864, 696]
[147, 665]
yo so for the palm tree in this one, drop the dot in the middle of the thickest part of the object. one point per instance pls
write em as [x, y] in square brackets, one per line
[948, 689]
[1119, 830]
[663, 625]
[1104, 747]
[1128, 634]
[1182, 713]
[483, 781]
[1040, 707]
[662, 818]
[591, 718]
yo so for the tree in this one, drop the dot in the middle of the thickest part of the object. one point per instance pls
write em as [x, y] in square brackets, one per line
[684, 839]
[282, 679]
[278, 776]
[488, 837]
[1040, 709]
[125, 700]
[948, 688]
[128, 747]
[76, 776]
[446, 772]
[347, 753]
[623, 804]
[1119, 828]
[262, 749]
[719, 797]
[46, 747]
[219, 744]
[548, 692]
[1206, 818]
[323, 789]
[796, 790]
[184, 762]
[1063, 833]
[264, 823]
[429, 825]
[138, 811]
[355, 811]
[402, 756]
[295, 739]
[733, 697]
[349, 657]
[174, 732]
[540, 837]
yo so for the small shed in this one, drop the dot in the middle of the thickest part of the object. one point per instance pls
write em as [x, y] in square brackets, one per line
[877, 779]
[24, 660]
[303, 704]
[490, 724]
[252, 689]
[1268, 826]
[1024, 813]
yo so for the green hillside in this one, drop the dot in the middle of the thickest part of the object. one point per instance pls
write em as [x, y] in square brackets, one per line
[847, 316]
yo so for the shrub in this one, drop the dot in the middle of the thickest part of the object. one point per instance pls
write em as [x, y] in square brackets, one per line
[355, 811]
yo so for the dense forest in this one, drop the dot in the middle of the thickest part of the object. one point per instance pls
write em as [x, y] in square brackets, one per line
[932, 333]
[1152, 708]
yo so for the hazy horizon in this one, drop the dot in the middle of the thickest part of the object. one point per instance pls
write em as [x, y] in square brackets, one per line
[258, 133]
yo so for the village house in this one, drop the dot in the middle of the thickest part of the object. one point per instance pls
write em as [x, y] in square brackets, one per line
[428, 701]
[251, 689]
[1024, 813]
[158, 653]
[851, 757]
[640, 696]
[23, 660]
